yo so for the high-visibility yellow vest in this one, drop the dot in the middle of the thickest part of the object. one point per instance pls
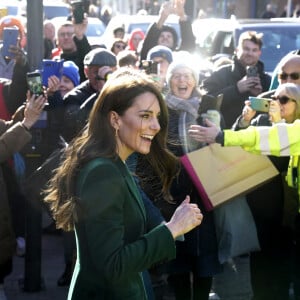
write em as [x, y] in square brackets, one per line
[280, 140]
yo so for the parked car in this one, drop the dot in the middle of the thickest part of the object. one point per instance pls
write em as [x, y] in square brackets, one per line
[131, 22]
[95, 29]
[51, 8]
[221, 37]
[54, 9]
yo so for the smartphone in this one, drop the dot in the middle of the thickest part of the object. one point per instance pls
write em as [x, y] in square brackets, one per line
[50, 68]
[150, 66]
[252, 71]
[260, 104]
[78, 11]
[10, 37]
[34, 81]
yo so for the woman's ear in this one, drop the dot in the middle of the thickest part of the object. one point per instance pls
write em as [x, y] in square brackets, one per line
[114, 120]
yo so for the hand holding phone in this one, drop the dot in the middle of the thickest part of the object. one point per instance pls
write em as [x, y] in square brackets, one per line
[78, 11]
[260, 104]
[150, 67]
[252, 71]
[34, 81]
[50, 68]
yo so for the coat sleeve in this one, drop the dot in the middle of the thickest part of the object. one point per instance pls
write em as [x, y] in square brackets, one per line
[112, 224]
[188, 41]
[150, 40]
[12, 139]
[279, 140]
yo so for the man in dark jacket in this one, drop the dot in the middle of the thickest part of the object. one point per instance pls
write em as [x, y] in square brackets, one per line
[98, 64]
[73, 44]
[160, 34]
[243, 78]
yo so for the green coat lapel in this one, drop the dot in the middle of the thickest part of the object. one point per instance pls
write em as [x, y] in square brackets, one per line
[132, 186]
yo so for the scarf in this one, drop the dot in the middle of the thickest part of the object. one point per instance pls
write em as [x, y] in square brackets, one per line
[188, 114]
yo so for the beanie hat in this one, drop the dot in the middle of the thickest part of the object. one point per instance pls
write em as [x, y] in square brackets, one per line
[160, 51]
[71, 71]
[173, 32]
[180, 64]
[100, 57]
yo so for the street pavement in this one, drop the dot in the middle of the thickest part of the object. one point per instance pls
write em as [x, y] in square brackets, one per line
[227, 285]
[52, 266]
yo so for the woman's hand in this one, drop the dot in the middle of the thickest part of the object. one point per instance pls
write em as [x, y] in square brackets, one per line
[274, 112]
[185, 218]
[33, 108]
[204, 134]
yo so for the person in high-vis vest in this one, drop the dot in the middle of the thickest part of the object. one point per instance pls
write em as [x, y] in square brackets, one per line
[280, 139]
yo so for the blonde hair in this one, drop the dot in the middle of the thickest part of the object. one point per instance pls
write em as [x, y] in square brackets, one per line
[292, 91]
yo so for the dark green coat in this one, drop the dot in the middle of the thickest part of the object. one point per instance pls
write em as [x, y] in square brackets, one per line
[112, 246]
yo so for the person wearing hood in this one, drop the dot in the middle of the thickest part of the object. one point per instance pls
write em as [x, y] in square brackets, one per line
[136, 36]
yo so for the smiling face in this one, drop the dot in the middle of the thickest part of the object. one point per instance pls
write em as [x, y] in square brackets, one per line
[138, 125]
[182, 83]
[66, 85]
[248, 53]
[166, 39]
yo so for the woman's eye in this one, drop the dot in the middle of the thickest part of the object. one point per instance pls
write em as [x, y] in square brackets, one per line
[145, 116]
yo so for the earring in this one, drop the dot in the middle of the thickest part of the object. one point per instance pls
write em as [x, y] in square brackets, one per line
[116, 132]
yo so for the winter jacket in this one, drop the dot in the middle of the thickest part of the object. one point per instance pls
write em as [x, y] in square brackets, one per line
[224, 81]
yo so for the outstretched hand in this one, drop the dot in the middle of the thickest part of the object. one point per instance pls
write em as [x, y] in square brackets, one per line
[204, 134]
[185, 218]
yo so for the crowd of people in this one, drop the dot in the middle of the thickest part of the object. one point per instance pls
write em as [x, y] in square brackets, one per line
[115, 123]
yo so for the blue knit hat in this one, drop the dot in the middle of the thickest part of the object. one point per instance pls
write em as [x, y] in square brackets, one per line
[160, 51]
[71, 71]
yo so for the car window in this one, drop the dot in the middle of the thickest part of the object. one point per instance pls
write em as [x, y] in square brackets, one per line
[55, 11]
[95, 29]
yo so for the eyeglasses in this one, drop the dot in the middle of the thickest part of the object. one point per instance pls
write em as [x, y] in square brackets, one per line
[184, 76]
[105, 78]
[282, 99]
[65, 34]
[285, 76]
[120, 46]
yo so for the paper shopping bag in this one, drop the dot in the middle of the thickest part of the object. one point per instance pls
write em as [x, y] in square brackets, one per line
[222, 173]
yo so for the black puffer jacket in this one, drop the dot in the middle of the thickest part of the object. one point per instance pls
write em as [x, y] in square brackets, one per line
[72, 102]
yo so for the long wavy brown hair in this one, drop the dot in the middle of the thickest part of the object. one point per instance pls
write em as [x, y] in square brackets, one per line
[98, 140]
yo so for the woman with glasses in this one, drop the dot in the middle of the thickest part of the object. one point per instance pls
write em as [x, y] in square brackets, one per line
[270, 268]
[197, 254]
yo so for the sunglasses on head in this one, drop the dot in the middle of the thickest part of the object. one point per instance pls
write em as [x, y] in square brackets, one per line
[282, 99]
[285, 76]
